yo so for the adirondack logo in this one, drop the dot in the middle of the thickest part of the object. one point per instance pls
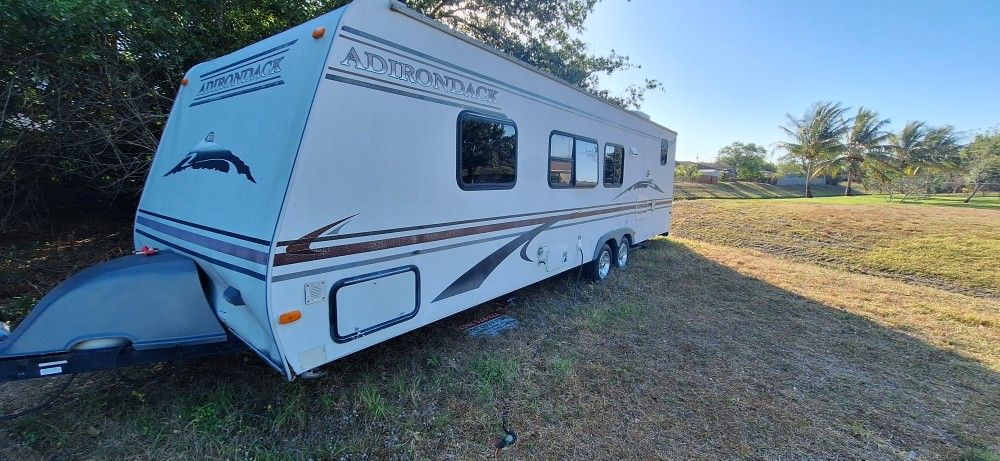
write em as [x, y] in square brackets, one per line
[208, 155]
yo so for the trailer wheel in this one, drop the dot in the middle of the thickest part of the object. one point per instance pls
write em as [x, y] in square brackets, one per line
[600, 268]
[622, 252]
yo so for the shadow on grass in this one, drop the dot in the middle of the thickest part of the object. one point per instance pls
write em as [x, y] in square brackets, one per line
[676, 357]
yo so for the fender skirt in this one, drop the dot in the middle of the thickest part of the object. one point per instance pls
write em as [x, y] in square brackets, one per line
[128, 310]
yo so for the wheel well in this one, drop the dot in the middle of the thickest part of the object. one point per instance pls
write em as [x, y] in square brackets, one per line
[612, 243]
[627, 236]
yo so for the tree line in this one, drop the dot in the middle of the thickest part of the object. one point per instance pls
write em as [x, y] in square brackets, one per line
[86, 85]
[829, 139]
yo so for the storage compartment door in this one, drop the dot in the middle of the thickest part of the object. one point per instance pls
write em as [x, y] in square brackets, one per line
[368, 303]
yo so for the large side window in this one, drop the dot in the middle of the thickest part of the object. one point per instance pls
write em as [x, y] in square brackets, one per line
[614, 165]
[664, 151]
[573, 161]
[487, 152]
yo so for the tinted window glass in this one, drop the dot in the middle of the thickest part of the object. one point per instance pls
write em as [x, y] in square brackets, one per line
[614, 165]
[488, 157]
[587, 162]
[560, 160]
[664, 151]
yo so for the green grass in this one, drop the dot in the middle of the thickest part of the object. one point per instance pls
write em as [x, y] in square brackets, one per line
[747, 190]
[494, 375]
[950, 200]
[979, 454]
[373, 403]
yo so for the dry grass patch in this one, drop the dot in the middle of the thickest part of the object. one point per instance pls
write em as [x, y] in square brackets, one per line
[948, 247]
[966, 325]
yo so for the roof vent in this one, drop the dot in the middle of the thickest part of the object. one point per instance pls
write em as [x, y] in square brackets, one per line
[640, 113]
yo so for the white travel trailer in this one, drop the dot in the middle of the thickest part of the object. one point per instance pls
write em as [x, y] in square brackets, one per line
[347, 181]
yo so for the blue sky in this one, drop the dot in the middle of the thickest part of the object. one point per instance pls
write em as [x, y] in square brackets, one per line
[732, 69]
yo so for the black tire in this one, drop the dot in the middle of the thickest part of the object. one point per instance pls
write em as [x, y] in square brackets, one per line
[623, 254]
[600, 268]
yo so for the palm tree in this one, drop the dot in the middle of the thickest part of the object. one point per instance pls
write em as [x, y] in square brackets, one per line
[864, 141]
[815, 136]
[917, 148]
[908, 148]
[943, 148]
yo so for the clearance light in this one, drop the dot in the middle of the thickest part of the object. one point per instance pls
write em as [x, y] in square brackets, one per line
[319, 32]
[184, 82]
[289, 317]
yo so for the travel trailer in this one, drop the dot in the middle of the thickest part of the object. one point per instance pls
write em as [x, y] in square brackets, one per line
[347, 181]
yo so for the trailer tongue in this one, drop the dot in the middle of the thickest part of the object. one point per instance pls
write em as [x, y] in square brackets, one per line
[127, 311]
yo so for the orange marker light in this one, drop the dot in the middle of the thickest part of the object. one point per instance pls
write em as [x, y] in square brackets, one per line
[289, 317]
[184, 82]
[319, 32]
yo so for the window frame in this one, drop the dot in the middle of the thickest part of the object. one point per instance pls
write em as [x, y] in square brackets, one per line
[470, 114]
[572, 184]
[604, 159]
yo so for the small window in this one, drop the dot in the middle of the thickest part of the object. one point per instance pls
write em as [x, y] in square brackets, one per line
[487, 152]
[573, 161]
[560, 161]
[614, 165]
[587, 163]
[664, 151]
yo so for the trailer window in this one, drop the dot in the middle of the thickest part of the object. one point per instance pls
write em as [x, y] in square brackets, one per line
[487, 152]
[614, 165]
[586, 163]
[573, 161]
[664, 151]
[560, 161]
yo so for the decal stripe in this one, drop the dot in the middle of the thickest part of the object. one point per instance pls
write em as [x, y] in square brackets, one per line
[205, 241]
[207, 228]
[408, 254]
[210, 260]
[474, 277]
[251, 58]
[394, 242]
[302, 245]
[251, 90]
[452, 223]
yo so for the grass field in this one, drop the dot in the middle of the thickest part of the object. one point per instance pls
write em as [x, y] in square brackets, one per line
[991, 202]
[748, 190]
[957, 248]
[769, 329]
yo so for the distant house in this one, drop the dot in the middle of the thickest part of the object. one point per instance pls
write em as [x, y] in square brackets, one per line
[710, 173]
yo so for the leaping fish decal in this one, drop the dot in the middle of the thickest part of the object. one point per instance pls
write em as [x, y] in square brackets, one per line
[644, 184]
[211, 156]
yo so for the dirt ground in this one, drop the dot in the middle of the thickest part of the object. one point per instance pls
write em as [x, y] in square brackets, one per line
[704, 348]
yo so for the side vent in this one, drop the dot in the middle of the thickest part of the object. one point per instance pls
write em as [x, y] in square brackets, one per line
[315, 292]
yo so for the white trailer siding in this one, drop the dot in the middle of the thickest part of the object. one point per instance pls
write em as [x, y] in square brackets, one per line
[378, 160]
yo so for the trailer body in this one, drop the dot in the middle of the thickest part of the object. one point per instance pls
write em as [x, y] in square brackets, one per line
[357, 177]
